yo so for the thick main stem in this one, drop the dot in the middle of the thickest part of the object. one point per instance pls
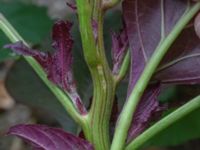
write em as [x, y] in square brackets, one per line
[101, 109]
[103, 81]
[104, 88]
[129, 108]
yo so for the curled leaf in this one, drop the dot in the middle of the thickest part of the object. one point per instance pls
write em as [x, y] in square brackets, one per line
[46, 138]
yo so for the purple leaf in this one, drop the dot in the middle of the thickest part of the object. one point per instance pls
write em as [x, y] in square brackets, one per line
[46, 138]
[20, 49]
[145, 112]
[58, 65]
[61, 71]
[181, 64]
[147, 24]
[119, 47]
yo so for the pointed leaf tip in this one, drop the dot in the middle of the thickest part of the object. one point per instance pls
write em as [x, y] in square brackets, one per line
[21, 49]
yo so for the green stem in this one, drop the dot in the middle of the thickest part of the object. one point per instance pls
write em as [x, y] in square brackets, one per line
[101, 109]
[130, 106]
[12, 34]
[103, 96]
[124, 67]
[85, 25]
[60, 95]
[164, 123]
[103, 82]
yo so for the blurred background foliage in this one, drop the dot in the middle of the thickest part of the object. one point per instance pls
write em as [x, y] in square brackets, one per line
[33, 19]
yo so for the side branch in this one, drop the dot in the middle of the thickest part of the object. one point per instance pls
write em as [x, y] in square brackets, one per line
[12, 34]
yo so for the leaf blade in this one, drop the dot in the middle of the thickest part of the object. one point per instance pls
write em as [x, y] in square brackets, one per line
[147, 23]
[43, 137]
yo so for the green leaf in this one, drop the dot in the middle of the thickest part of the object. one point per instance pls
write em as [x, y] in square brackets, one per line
[30, 21]
[186, 129]
[4, 54]
[24, 85]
